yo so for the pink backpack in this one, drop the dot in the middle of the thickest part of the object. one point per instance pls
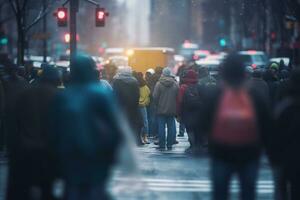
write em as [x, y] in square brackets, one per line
[235, 121]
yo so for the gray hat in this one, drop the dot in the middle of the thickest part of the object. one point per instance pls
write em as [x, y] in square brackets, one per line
[166, 72]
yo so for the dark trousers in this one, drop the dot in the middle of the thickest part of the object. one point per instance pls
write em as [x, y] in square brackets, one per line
[152, 120]
[86, 192]
[30, 174]
[222, 171]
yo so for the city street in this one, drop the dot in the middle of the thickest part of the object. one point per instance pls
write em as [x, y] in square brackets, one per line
[169, 175]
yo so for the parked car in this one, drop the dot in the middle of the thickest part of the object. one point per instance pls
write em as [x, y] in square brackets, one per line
[255, 59]
[286, 60]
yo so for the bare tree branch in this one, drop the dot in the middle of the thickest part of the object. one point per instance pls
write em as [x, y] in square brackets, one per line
[43, 12]
[13, 7]
[24, 5]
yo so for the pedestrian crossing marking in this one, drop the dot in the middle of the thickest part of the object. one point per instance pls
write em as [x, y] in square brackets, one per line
[204, 186]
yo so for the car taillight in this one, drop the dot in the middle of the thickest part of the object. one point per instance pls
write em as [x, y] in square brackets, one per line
[254, 66]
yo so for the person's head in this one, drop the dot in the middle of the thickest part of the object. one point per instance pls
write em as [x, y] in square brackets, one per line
[140, 79]
[166, 72]
[281, 64]
[233, 70]
[50, 75]
[110, 70]
[158, 70]
[83, 70]
[124, 71]
[150, 71]
[203, 72]
[274, 68]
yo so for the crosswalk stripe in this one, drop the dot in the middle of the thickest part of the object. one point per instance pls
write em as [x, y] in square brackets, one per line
[180, 181]
[168, 185]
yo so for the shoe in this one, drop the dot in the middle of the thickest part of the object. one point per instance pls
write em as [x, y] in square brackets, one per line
[189, 150]
[160, 148]
[140, 143]
[180, 135]
[145, 139]
[169, 148]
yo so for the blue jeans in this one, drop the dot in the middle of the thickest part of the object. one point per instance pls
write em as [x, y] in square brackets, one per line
[222, 171]
[152, 121]
[145, 129]
[171, 133]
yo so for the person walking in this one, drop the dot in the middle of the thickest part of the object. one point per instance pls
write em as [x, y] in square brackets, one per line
[31, 163]
[144, 101]
[237, 122]
[184, 105]
[127, 91]
[285, 142]
[164, 97]
[85, 132]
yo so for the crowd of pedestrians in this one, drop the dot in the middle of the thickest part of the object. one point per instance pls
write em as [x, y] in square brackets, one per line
[65, 125]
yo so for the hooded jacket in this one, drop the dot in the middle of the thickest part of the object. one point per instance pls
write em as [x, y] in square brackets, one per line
[164, 96]
[127, 91]
[144, 96]
[85, 127]
[188, 80]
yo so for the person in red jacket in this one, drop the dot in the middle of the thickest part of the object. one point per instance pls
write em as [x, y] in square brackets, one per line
[190, 78]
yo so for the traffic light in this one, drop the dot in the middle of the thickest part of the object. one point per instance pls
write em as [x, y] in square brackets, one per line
[3, 38]
[222, 42]
[67, 37]
[100, 15]
[62, 17]
[273, 36]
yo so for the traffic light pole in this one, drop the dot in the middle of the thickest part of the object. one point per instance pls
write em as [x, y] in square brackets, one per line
[74, 5]
[45, 45]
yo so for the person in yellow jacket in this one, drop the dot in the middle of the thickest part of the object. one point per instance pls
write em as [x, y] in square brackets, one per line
[144, 101]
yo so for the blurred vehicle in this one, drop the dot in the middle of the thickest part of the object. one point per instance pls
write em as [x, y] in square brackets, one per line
[212, 65]
[179, 61]
[286, 60]
[141, 59]
[255, 59]
[110, 52]
[117, 60]
[63, 61]
[200, 54]
[187, 49]
[36, 61]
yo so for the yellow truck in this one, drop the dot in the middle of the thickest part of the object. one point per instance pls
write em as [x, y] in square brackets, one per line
[141, 59]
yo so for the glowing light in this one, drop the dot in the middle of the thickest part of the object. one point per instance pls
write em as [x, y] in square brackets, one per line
[67, 37]
[100, 15]
[130, 52]
[61, 14]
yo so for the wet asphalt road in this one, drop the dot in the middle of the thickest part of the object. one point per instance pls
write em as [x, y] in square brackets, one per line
[168, 175]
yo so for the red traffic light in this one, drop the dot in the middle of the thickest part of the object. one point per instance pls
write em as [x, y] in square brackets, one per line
[101, 15]
[61, 14]
[62, 17]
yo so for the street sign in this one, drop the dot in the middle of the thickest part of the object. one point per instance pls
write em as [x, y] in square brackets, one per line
[41, 36]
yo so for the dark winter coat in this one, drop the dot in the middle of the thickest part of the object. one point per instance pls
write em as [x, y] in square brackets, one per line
[164, 96]
[127, 91]
[85, 133]
[206, 122]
